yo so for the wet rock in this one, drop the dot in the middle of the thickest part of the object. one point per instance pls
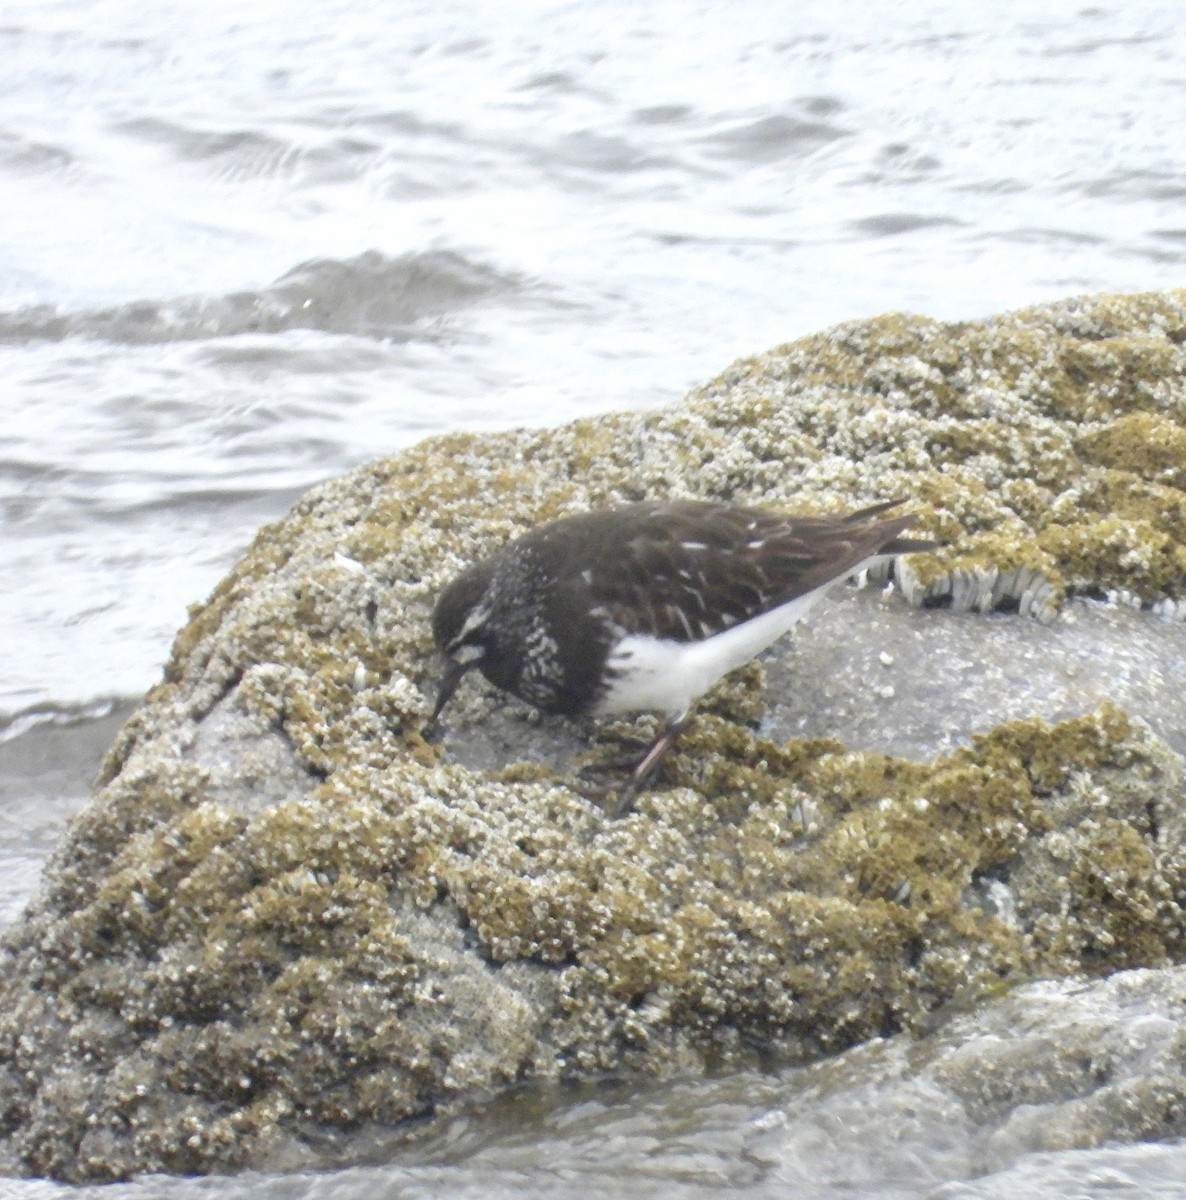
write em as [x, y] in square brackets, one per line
[1056, 1068]
[286, 920]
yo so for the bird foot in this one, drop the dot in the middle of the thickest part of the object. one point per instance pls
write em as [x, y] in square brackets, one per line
[600, 790]
[629, 740]
[617, 765]
[643, 771]
[592, 790]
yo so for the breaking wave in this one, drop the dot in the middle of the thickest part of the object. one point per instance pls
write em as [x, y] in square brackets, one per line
[371, 295]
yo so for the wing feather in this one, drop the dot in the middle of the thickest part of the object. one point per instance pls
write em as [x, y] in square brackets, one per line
[690, 569]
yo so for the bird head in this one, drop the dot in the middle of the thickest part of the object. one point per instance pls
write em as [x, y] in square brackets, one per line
[460, 630]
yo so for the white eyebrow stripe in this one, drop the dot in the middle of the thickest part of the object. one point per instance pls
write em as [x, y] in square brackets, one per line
[477, 617]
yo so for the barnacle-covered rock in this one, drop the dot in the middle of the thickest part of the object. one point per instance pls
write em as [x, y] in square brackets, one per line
[286, 919]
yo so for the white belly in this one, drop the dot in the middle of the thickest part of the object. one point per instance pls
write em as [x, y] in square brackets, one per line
[661, 675]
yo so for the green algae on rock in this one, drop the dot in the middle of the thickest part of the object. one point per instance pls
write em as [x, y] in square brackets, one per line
[286, 919]
[384, 948]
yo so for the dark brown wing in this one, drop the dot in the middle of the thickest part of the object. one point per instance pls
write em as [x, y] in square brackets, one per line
[685, 570]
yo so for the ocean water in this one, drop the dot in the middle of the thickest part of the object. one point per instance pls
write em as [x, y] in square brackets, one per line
[245, 246]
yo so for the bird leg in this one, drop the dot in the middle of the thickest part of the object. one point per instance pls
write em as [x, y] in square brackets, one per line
[647, 768]
[642, 771]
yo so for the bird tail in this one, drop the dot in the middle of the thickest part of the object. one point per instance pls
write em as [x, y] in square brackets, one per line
[894, 544]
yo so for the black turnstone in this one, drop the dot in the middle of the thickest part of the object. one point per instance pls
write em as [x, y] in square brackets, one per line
[645, 607]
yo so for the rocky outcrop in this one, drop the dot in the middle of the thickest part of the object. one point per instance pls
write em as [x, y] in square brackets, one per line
[286, 919]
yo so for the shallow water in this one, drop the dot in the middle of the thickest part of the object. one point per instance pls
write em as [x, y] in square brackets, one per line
[246, 247]
[879, 1123]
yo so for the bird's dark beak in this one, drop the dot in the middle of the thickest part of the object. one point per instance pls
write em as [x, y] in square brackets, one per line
[454, 673]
